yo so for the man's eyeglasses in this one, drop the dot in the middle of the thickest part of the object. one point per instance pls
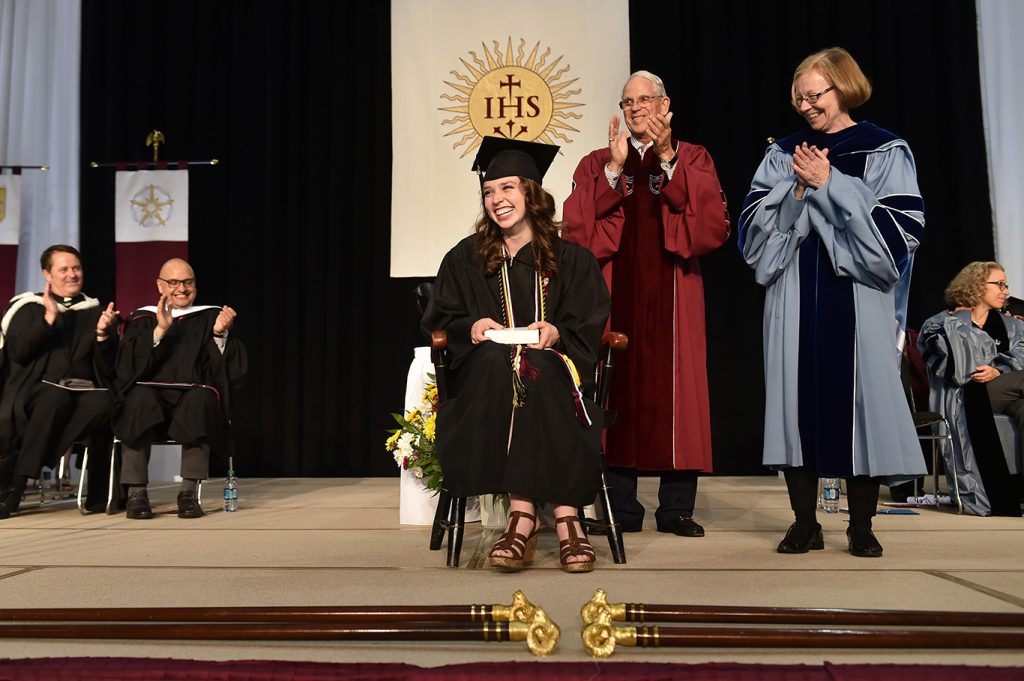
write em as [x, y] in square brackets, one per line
[811, 99]
[175, 283]
[641, 101]
[1003, 286]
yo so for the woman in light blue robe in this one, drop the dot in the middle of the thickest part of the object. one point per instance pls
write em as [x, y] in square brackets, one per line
[830, 227]
[975, 358]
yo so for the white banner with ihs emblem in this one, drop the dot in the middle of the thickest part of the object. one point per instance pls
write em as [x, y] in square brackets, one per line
[10, 209]
[535, 70]
[151, 205]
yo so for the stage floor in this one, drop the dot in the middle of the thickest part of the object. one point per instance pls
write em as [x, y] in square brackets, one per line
[316, 541]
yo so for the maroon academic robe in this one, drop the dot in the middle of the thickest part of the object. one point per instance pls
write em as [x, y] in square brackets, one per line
[647, 234]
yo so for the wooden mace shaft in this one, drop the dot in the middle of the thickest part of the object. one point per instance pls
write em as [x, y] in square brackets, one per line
[337, 614]
[640, 612]
[494, 631]
[712, 637]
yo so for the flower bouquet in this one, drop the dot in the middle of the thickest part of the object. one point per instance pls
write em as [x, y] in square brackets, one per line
[412, 443]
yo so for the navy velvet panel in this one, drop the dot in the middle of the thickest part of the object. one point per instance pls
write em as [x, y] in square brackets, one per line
[747, 213]
[864, 136]
[889, 226]
[826, 375]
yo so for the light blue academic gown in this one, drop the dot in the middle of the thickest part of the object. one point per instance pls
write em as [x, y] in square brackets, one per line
[836, 266]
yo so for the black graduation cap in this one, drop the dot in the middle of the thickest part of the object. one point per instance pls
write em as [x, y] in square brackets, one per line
[499, 157]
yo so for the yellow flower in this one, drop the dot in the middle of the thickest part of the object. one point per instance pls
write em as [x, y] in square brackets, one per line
[428, 427]
[413, 416]
[392, 441]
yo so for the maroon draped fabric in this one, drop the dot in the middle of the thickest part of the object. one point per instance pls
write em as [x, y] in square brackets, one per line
[8, 267]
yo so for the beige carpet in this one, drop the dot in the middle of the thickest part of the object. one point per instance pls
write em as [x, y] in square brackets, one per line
[338, 542]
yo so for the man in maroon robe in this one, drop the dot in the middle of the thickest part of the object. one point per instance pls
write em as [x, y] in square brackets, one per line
[647, 206]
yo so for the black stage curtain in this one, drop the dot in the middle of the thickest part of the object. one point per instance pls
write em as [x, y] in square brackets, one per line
[293, 229]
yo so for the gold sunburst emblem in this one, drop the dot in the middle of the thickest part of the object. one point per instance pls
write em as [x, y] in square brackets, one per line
[511, 94]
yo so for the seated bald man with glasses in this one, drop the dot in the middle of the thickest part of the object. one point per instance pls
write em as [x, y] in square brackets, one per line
[176, 367]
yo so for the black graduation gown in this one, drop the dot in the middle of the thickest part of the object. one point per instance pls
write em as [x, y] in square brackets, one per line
[186, 354]
[551, 457]
[34, 351]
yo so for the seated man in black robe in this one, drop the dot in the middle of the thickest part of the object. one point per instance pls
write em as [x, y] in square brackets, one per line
[57, 356]
[176, 367]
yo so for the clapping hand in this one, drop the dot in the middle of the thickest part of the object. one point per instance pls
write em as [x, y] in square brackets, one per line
[811, 167]
[107, 320]
[659, 129]
[617, 144]
[49, 306]
[163, 316]
[224, 321]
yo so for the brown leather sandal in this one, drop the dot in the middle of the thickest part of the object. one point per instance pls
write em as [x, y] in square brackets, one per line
[575, 546]
[520, 546]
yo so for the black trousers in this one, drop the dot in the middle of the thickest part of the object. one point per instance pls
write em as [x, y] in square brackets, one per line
[861, 496]
[57, 418]
[1006, 393]
[677, 494]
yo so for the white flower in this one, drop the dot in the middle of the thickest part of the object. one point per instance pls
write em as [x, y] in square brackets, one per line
[405, 444]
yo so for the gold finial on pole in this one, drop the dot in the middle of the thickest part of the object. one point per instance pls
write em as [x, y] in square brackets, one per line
[540, 633]
[601, 636]
[599, 604]
[155, 139]
[771, 140]
[520, 610]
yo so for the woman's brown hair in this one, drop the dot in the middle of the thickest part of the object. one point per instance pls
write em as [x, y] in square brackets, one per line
[841, 70]
[968, 286]
[540, 212]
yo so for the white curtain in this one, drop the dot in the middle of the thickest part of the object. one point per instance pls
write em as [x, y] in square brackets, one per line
[1001, 57]
[39, 66]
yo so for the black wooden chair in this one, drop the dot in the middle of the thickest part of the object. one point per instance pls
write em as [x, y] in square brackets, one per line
[450, 516]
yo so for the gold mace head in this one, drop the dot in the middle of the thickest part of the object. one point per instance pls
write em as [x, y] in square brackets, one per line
[520, 610]
[601, 636]
[599, 604]
[540, 633]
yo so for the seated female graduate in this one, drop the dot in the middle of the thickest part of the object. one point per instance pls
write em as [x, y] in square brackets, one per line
[517, 419]
[976, 359]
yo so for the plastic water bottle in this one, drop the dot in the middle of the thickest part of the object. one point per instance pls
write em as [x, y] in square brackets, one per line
[830, 495]
[231, 489]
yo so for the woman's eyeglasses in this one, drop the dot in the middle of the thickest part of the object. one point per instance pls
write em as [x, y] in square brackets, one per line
[811, 99]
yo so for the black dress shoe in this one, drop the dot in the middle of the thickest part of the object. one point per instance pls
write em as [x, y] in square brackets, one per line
[681, 525]
[188, 505]
[802, 538]
[8, 502]
[863, 543]
[138, 507]
[10, 499]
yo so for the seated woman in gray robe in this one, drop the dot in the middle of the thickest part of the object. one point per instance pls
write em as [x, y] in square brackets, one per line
[975, 357]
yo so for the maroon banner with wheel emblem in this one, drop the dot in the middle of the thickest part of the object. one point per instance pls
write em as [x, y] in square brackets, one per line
[151, 227]
[10, 226]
